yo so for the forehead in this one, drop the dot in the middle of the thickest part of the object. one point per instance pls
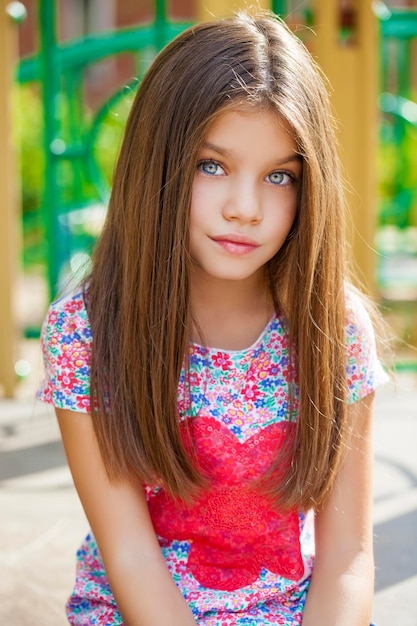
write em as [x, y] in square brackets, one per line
[248, 127]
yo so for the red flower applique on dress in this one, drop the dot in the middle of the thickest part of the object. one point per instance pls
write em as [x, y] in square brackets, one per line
[234, 529]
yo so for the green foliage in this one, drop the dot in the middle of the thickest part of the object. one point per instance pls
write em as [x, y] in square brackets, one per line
[107, 133]
[397, 173]
[28, 135]
[102, 140]
[83, 180]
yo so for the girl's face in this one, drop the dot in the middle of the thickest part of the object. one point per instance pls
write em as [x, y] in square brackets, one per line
[244, 195]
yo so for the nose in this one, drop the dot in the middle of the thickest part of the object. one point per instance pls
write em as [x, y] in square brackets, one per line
[244, 203]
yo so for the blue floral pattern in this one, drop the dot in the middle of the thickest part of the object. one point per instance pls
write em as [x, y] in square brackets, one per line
[245, 392]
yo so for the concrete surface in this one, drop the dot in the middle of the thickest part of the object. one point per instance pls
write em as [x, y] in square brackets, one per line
[42, 523]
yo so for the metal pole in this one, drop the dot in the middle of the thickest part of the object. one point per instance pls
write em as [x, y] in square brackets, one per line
[160, 22]
[280, 7]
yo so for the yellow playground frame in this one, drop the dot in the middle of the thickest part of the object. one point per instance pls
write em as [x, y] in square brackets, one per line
[351, 68]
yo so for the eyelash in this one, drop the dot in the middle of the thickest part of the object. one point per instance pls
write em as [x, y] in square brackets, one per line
[290, 175]
[208, 162]
[292, 178]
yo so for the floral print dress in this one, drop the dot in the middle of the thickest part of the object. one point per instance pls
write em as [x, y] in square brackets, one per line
[236, 559]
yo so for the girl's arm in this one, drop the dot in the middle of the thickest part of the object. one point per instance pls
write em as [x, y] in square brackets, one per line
[342, 583]
[118, 515]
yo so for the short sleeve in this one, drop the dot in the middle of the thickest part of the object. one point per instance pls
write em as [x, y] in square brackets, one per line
[364, 371]
[66, 347]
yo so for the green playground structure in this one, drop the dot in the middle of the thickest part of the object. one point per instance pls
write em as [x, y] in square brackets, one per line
[397, 211]
[398, 104]
[71, 147]
[79, 146]
[75, 186]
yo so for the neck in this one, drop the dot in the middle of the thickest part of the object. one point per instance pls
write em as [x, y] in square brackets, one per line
[229, 314]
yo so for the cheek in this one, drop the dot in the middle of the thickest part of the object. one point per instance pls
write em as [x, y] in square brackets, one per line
[198, 202]
[204, 208]
[292, 215]
[197, 223]
[283, 217]
[195, 219]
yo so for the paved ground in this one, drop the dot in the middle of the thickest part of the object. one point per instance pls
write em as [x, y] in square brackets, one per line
[42, 522]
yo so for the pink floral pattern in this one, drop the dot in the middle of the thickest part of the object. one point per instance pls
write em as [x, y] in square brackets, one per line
[236, 559]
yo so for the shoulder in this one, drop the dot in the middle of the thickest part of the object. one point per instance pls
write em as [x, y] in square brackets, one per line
[66, 324]
[66, 327]
[66, 346]
[363, 368]
[358, 320]
[67, 314]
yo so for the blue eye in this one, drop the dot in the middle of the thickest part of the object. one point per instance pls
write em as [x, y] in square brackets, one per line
[211, 168]
[280, 178]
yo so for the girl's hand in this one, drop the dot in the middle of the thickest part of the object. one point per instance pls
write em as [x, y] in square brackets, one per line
[118, 515]
[341, 588]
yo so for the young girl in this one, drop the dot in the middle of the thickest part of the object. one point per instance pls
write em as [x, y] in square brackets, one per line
[214, 377]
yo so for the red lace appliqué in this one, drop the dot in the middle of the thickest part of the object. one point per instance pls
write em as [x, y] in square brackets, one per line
[233, 529]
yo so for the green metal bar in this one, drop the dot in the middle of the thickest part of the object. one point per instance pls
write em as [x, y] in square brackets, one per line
[96, 47]
[404, 76]
[90, 49]
[400, 24]
[96, 175]
[67, 139]
[160, 22]
[280, 7]
[399, 106]
[28, 70]
[75, 123]
[406, 367]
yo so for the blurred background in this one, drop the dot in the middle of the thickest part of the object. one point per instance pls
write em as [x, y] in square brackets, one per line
[72, 68]
[69, 70]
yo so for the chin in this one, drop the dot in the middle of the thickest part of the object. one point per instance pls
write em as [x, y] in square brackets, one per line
[230, 276]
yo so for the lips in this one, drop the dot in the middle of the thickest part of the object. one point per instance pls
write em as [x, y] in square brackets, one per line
[235, 243]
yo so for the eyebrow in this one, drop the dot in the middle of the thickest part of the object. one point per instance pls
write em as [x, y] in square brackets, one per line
[294, 156]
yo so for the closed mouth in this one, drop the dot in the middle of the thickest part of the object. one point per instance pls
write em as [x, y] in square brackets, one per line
[235, 244]
[236, 239]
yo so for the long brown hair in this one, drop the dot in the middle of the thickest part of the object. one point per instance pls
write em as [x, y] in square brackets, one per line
[138, 290]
